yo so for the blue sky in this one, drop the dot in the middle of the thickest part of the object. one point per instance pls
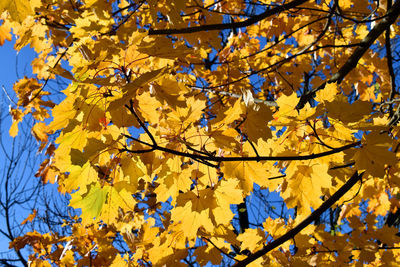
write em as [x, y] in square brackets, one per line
[12, 66]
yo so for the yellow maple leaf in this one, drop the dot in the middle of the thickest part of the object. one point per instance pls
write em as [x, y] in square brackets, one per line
[230, 114]
[118, 196]
[18, 9]
[304, 185]
[172, 180]
[30, 217]
[374, 155]
[328, 94]
[68, 259]
[379, 204]
[133, 170]
[148, 233]
[255, 125]
[91, 202]
[340, 109]
[149, 107]
[247, 173]
[63, 113]
[129, 90]
[74, 179]
[287, 113]
[209, 253]
[76, 139]
[193, 212]
[39, 130]
[30, 238]
[252, 239]
[14, 128]
[226, 194]
[17, 116]
[274, 228]
[5, 33]
[346, 4]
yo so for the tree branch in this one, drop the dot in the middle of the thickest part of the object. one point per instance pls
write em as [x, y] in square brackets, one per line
[206, 158]
[233, 25]
[220, 250]
[256, 158]
[292, 233]
[389, 59]
[352, 61]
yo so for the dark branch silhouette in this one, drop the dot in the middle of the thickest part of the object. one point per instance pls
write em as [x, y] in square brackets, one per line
[200, 156]
[292, 233]
[232, 25]
[352, 61]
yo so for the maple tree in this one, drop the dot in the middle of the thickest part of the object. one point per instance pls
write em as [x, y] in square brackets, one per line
[179, 112]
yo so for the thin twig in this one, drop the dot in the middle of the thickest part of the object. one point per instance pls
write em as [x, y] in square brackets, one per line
[8, 96]
[132, 110]
[220, 250]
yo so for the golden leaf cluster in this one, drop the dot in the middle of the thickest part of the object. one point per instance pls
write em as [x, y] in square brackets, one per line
[178, 111]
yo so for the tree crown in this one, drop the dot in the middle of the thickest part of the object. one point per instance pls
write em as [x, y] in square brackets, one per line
[178, 114]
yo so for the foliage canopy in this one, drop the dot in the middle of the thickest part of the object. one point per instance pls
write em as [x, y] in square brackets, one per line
[178, 112]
